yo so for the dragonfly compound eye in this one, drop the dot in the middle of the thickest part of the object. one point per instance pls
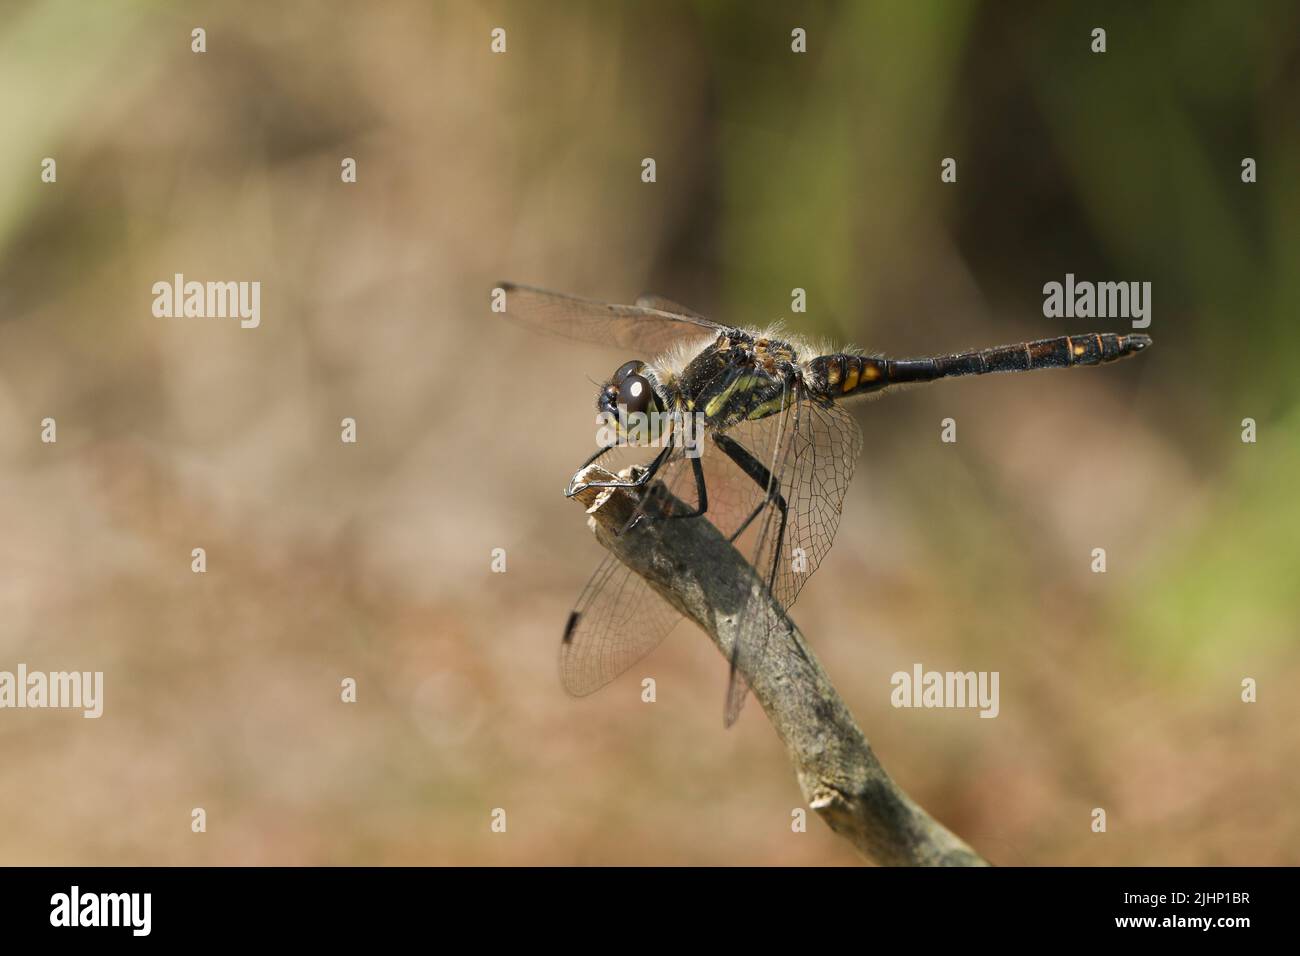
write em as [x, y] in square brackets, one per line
[626, 369]
[635, 393]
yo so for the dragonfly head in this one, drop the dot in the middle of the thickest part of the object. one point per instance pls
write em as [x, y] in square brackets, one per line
[628, 392]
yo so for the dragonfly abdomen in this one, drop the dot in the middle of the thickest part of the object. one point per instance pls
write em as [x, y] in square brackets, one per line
[846, 375]
[843, 374]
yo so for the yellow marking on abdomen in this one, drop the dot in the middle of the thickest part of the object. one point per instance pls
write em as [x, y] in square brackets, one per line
[851, 379]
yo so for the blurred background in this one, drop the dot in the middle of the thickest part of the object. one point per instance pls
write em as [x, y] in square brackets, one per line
[774, 171]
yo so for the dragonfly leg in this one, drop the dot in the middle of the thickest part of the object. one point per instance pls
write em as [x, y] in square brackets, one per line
[736, 687]
[570, 489]
[599, 454]
[701, 495]
[660, 492]
[636, 482]
[763, 478]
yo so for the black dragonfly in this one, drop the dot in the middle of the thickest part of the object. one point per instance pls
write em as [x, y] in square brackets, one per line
[769, 464]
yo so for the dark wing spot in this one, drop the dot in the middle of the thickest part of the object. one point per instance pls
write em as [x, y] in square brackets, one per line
[568, 628]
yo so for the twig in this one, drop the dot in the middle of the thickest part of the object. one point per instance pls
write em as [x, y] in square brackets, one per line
[699, 572]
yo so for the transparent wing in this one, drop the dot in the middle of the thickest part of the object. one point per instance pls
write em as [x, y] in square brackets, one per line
[648, 300]
[807, 454]
[736, 505]
[821, 449]
[810, 451]
[649, 330]
[732, 496]
[618, 620]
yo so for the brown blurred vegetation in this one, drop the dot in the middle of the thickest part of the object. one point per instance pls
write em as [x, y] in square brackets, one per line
[774, 171]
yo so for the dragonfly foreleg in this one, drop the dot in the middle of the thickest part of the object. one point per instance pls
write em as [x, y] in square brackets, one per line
[701, 496]
[636, 482]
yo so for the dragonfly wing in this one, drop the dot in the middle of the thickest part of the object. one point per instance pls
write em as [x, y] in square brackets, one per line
[618, 620]
[810, 451]
[619, 617]
[824, 443]
[659, 303]
[586, 320]
[737, 692]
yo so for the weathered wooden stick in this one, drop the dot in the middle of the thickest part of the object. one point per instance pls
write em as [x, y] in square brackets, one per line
[699, 572]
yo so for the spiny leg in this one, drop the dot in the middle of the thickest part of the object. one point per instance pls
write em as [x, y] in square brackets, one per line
[660, 492]
[636, 482]
[762, 476]
[598, 454]
[701, 495]
[756, 470]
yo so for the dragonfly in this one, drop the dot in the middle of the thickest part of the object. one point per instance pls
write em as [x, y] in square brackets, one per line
[769, 465]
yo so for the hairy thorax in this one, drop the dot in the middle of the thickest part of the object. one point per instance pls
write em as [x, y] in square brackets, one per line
[739, 376]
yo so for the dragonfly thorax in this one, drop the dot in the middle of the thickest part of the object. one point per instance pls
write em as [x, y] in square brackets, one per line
[740, 377]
